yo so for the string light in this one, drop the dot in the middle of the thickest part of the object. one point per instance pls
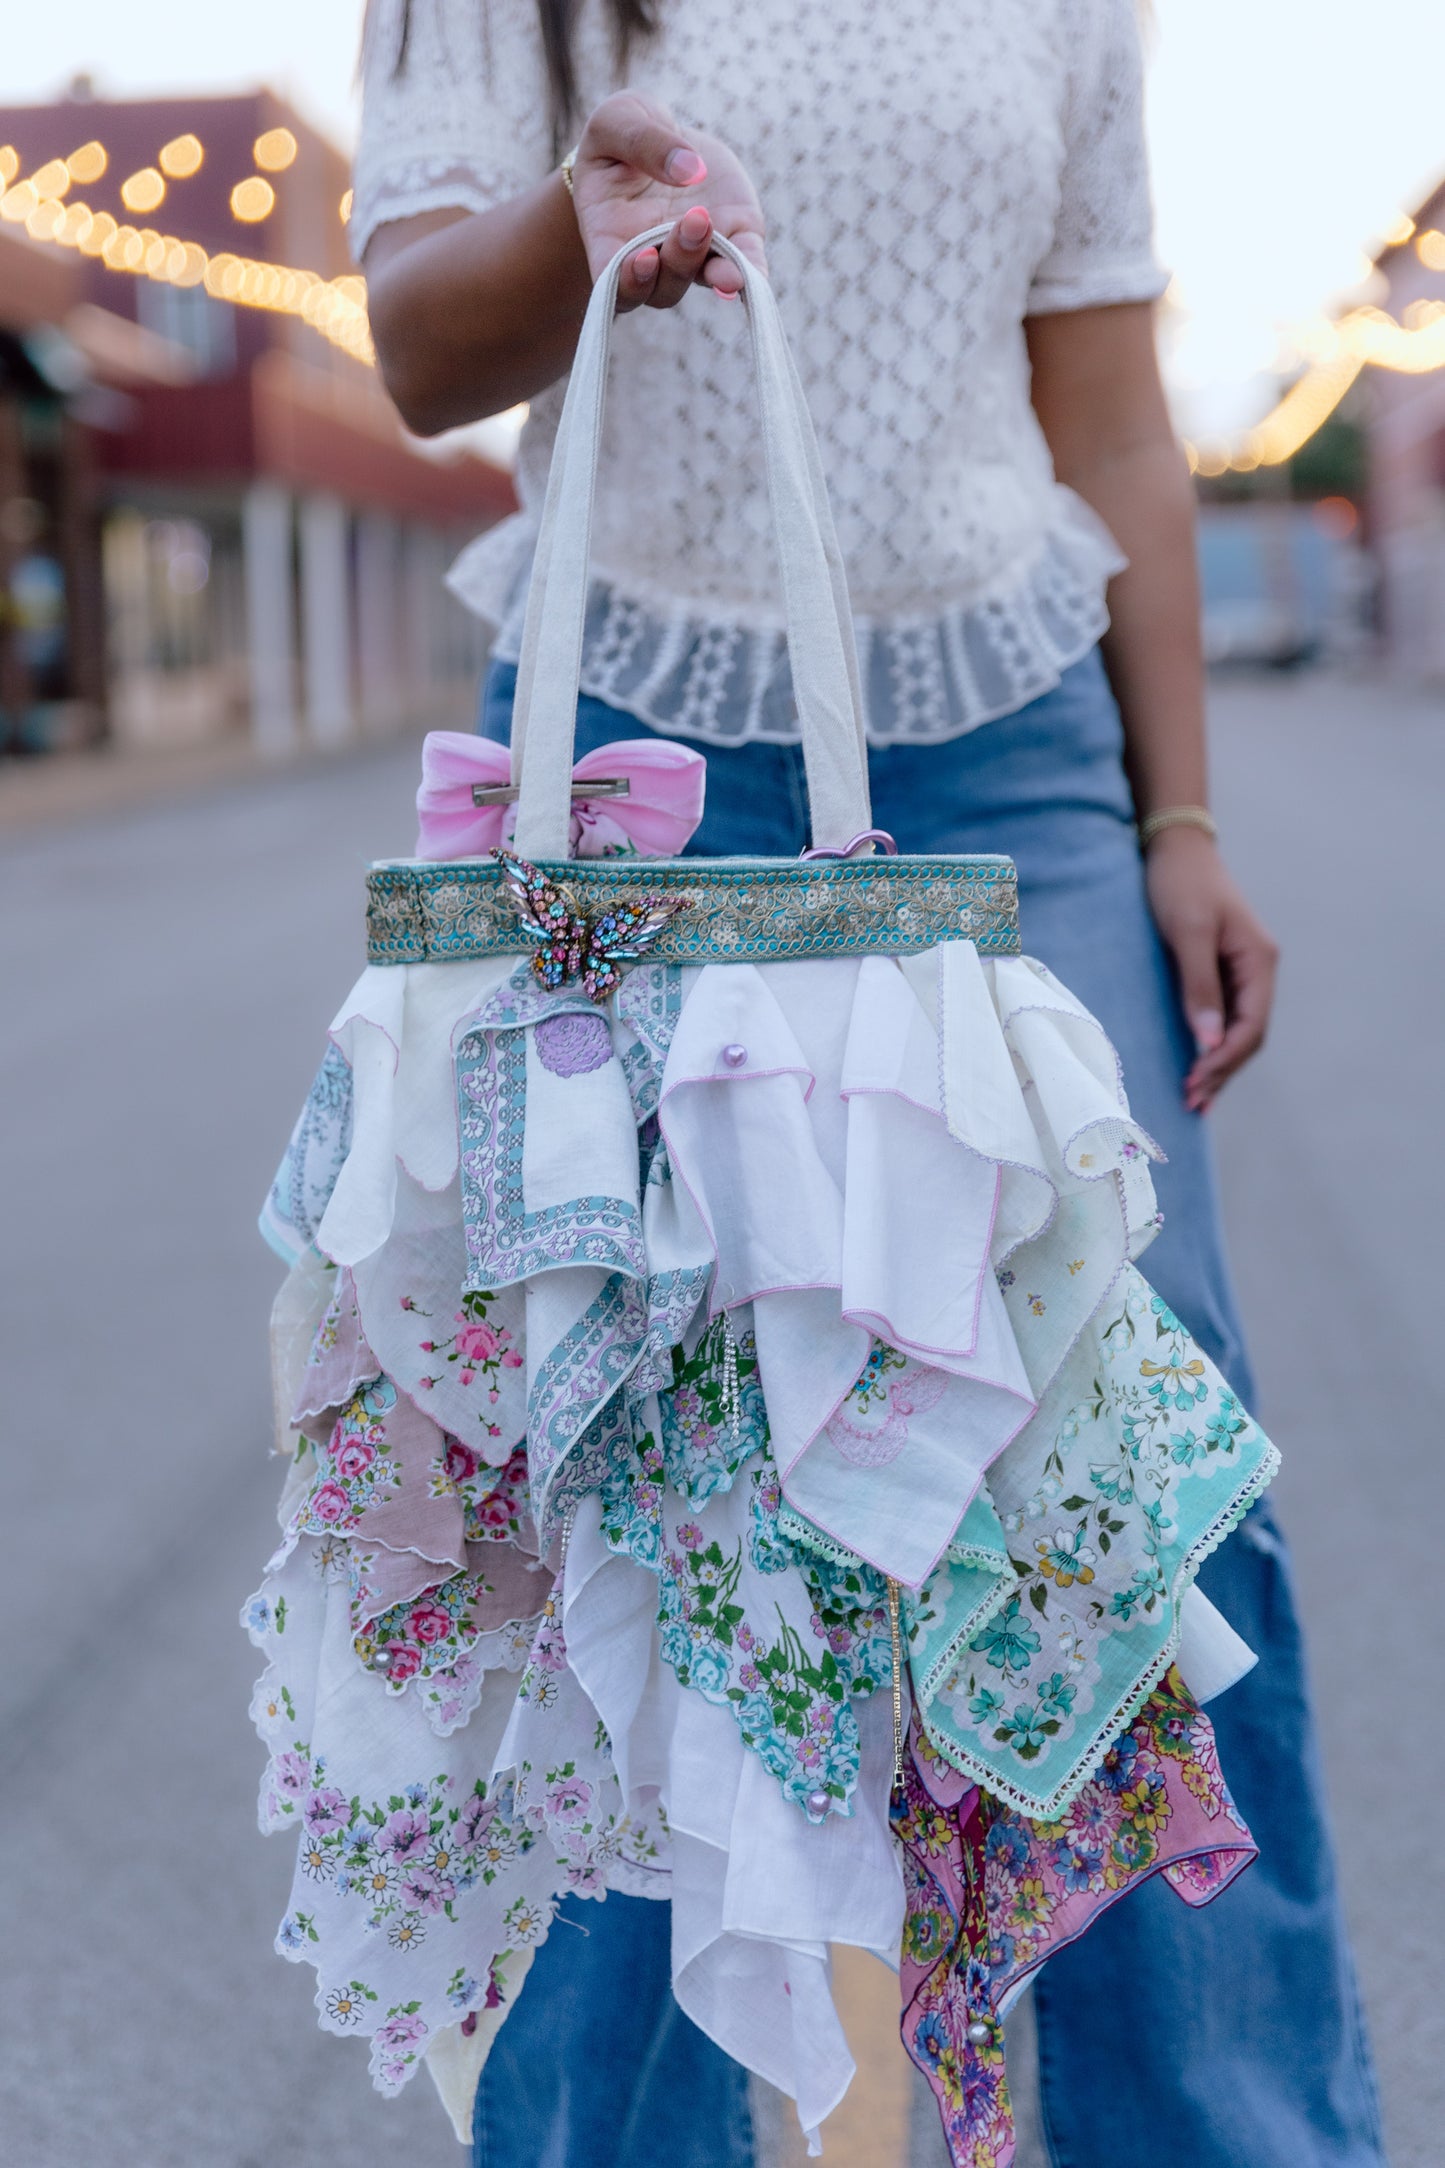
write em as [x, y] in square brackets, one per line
[52, 179]
[91, 239]
[85, 165]
[1364, 338]
[74, 220]
[1303, 409]
[179, 158]
[347, 199]
[143, 191]
[275, 150]
[45, 219]
[252, 200]
[18, 202]
[9, 164]
[336, 308]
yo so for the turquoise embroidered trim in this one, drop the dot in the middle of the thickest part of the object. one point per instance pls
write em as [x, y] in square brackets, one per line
[649, 1002]
[949, 1748]
[505, 1242]
[314, 1159]
[575, 1412]
[975, 1579]
[1091, 1615]
[976, 1560]
[742, 910]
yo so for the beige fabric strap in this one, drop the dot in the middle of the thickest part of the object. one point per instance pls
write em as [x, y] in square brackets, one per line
[815, 593]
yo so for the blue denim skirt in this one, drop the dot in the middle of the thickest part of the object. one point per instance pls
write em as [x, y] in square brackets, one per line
[1235, 2032]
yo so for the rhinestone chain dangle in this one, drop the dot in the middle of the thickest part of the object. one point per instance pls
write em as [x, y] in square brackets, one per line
[732, 1392]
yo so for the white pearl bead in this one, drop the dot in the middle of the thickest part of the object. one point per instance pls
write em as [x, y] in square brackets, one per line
[979, 2033]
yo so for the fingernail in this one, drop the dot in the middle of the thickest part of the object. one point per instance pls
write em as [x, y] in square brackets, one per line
[1208, 1030]
[693, 227]
[684, 168]
[644, 263]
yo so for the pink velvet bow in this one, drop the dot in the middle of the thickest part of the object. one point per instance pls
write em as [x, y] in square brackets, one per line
[662, 807]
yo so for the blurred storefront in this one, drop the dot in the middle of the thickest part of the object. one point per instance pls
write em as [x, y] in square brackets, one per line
[211, 518]
[1284, 582]
[51, 637]
[1407, 454]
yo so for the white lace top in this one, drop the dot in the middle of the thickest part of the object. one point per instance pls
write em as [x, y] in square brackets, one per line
[931, 172]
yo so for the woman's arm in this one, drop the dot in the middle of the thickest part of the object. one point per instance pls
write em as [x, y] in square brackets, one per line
[473, 312]
[1098, 396]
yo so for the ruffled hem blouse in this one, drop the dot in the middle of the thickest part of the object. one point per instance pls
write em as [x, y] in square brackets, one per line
[930, 178]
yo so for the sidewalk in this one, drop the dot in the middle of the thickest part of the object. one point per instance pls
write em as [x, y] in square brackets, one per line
[133, 1235]
[105, 782]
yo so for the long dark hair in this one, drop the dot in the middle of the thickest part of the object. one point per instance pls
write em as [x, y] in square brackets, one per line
[631, 19]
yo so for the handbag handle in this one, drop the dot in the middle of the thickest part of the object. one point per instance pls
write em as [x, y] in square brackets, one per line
[815, 592]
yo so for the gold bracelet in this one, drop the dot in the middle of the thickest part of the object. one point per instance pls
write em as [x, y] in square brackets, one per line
[568, 165]
[1176, 816]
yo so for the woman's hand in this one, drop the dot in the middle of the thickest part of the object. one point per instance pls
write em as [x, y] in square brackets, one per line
[1226, 960]
[473, 311]
[635, 169]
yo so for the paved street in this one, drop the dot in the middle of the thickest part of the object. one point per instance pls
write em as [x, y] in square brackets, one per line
[1332, 802]
[165, 976]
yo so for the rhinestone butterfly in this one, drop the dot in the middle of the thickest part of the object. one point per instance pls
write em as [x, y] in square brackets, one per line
[573, 944]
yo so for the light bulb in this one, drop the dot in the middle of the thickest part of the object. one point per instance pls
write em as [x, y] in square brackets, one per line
[275, 150]
[182, 157]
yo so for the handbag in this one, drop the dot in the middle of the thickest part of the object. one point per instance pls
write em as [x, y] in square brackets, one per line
[735, 1455]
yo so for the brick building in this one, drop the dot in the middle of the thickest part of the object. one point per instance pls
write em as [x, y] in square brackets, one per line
[210, 515]
[1406, 426]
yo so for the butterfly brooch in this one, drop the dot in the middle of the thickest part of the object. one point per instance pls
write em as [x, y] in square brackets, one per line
[573, 944]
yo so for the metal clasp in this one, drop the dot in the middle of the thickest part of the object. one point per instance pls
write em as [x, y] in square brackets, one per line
[880, 836]
[603, 786]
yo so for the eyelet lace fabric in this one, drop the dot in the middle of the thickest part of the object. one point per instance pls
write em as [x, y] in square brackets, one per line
[925, 191]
